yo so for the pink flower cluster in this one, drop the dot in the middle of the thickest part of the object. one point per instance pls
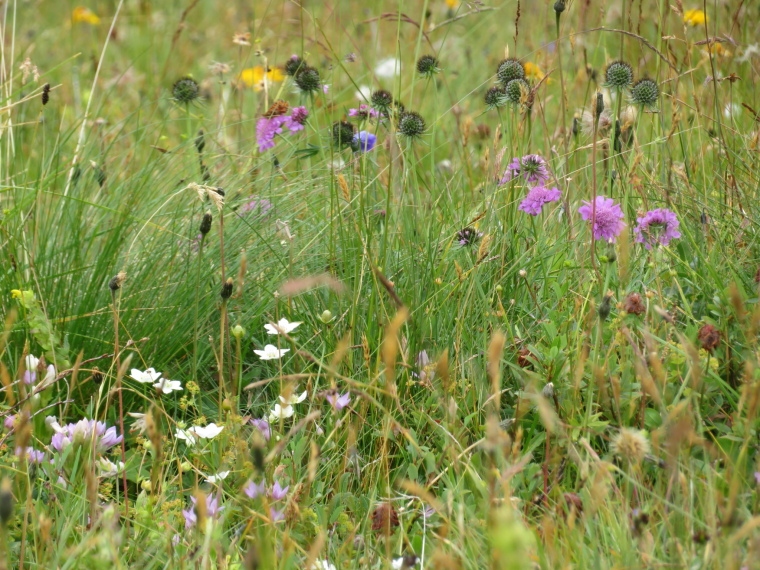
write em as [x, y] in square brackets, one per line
[268, 127]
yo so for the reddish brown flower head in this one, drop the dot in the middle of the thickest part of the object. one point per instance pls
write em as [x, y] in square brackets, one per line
[634, 305]
[384, 518]
[709, 337]
[523, 358]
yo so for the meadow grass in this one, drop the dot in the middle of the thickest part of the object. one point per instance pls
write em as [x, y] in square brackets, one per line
[516, 393]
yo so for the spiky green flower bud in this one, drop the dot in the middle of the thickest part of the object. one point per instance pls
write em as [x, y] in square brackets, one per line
[186, 90]
[343, 133]
[509, 70]
[411, 124]
[308, 79]
[516, 90]
[496, 97]
[645, 93]
[427, 65]
[618, 75]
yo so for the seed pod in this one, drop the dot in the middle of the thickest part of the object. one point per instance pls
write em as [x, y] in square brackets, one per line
[206, 223]
[559, 6]
[115, 283]
[605, 307]
[46, 94]
[599, 105]
[227, 289]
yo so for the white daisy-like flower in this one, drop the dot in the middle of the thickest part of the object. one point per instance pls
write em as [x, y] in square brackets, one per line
[168, 386]
[221, 476]
[271, 352]
[388, 68]
[293, 399]
[209, 432]
[150, 375]
[280, 412]
[282, 326]
[186, 436]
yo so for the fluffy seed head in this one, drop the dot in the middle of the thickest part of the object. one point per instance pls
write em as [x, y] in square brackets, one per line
[510, 69]
[294, 65]
[618, 75]
[516, 90]
[411, 124]
[645, 93]
[186, 90]
[631, 445]
[496, 97]
[343, 133]
[308, 79]
[427, 65]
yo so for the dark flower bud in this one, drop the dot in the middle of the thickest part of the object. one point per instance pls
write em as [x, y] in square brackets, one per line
[308, 79]
[618, 75]
[517, 91]
[6, 502]
[200, 143]
[381, 99]
[599, 105]
[97, 376]
[645, 93]
[605, 307]
[559, 6]
[227, 289]
[46, 94]
[576, 126]
[427, 65]
[206, 223]
[709, 337]
[510, 69]
[343, 133]
[411, 124]
[115, 283]
[186, 90]
[496, 97]
[294, 65]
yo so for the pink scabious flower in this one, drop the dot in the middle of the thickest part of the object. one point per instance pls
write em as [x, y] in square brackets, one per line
[657, 227]
[537, 197]
[531, 167]
[363, 112]
[266, 129]
[82, 433]
[608, 218]
[297, 119]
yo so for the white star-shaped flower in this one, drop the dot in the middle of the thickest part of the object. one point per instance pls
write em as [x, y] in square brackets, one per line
[293, 399]
[209, 432]
[282, 326]
[271, 352]
[186, 436]
[168, 386]
[280, 412]
[150, 375]
[221, 476]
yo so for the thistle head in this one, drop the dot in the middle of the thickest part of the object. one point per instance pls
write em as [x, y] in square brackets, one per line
[496, 97]
[307, 79]
[427, 65]
[186, 90]
[618, 75]
[411, 124]
[645, 93]
[381, 99]
[509, 70]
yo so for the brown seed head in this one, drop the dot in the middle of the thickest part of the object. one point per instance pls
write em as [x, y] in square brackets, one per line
[634, 304]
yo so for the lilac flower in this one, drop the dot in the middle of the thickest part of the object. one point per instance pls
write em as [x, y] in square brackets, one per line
[32, 367]
[608, 221]
[297, 119]
[657, 226]
[9, 421]
[757, 477]
[212, 509]
[426, 368]
[276, 515]
[266, 128]
[263, 426]
[278, 492]
[253, 490]
[338, 401]
[32, 455]
[364, 141]
[82, 432]
[537, 197]
[531, 167]
[260, 205]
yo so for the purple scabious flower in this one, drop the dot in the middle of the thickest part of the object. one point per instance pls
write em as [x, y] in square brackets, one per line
[537, 197]
[531, 167]
[363, 112]
[82, 432]
[263, 426]
[260, 205]
[608, 219]
[212, 509]
[278, 492]
[253, 490]
[468, 236]
[364, 141]
[297, 119]
[657, 227]
[338, 401]
[266, 128]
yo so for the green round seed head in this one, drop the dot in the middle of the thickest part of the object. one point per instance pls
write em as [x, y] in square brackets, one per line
[496, 97]
[186, 90]
[427, 65]
[618, 75]
[645, 93]
[510, 69]
[343, 133]
[411, 124]
[381, 99]
[516, 90]
[308, 79]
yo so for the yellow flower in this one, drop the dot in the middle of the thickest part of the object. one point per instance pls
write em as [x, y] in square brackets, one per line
[718, 49]
[15, 294]
[82, 14]
[255, 76]
[452, 4]
[532, 71]
[695, 17]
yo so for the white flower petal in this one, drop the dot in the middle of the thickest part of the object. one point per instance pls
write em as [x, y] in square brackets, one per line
[221, 476]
